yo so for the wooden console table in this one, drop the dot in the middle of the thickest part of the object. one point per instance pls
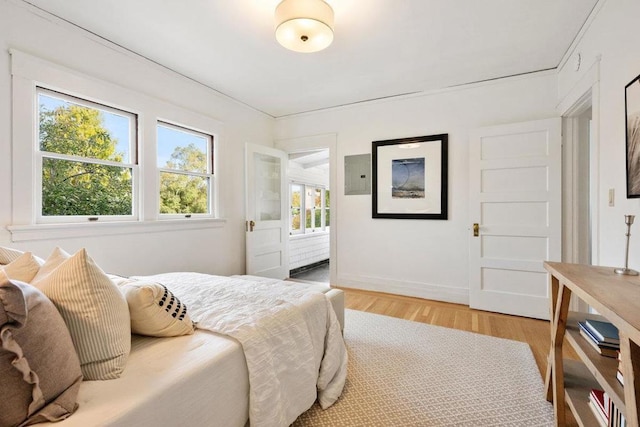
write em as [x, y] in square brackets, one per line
[617, 299]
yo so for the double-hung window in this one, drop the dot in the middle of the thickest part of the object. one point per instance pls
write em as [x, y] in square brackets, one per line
[86, 159]
[87, 153]
[185, 164]
[310, 211]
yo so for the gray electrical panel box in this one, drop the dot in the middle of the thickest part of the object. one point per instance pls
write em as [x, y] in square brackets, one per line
[357, 174]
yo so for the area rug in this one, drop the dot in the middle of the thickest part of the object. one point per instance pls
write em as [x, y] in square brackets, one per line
[404, 373]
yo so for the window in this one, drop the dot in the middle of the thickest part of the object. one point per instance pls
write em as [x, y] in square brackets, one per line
[314, 202]
[296, 205]
[94, 150]
[327, 215]
[86, 159]
[185, 163]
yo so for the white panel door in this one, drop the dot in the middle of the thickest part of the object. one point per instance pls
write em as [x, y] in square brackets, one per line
[267, 220]
[515, 200]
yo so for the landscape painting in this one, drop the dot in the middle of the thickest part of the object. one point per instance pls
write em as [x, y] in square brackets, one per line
[407, 178]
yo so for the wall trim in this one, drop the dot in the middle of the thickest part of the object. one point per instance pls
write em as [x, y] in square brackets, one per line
[425, 93]
[22, 233]
[583, 30]
[401, 287]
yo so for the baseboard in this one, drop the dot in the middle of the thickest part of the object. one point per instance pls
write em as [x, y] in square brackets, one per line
[410, 289]
[307, 267]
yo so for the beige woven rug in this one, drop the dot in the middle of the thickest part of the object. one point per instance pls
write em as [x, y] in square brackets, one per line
[404, 373]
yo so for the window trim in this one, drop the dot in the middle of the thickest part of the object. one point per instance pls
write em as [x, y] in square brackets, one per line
[209, 174]
[40, 155]
[29, 72]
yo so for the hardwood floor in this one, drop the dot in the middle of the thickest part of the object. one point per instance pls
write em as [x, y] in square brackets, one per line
[532, 331]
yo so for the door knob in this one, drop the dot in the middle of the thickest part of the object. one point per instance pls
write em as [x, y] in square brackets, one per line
[476, 229]
[252, 224]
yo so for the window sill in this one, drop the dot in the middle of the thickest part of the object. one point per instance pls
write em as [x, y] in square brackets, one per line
[22, 233]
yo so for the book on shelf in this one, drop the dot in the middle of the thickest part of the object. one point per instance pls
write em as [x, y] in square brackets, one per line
[605, 411]
[597, 413]
[599, 399]
[603, 331]
[609, 350]
[619, 371]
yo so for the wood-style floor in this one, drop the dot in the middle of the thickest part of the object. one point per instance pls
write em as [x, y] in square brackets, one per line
[534, 332]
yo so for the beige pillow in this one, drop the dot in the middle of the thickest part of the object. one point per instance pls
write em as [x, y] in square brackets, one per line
[155, 311]
[57, 257]
[39, 370]
[24, 268]
[8, 254]
[95, 312]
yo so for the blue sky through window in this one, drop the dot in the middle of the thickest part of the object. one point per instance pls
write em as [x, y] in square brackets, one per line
[117, 125]
[170, 138]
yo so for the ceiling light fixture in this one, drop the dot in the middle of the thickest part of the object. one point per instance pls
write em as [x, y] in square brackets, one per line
[304, 25]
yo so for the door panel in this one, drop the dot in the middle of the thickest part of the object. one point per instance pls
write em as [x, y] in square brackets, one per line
[266, 206]
[515, 197]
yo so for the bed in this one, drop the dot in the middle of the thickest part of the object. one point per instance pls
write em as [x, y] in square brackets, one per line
[204, 379]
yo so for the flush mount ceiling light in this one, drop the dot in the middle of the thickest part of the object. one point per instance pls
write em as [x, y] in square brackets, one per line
[304, 25]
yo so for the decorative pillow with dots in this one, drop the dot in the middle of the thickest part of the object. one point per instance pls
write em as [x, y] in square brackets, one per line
[155, 311]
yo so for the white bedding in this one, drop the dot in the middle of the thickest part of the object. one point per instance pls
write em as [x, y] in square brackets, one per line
[204, 374]
[292, 358]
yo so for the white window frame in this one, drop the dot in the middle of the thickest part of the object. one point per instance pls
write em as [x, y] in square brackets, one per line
[41, 155]
[209, 174]
[293, 232]
[28, 73]
[303, 211]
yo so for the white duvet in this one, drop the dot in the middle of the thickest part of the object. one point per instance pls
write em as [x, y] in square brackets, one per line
[290, 336]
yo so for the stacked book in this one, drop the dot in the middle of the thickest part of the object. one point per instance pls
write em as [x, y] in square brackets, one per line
[619, 372]
[602, 336]
[606, 412]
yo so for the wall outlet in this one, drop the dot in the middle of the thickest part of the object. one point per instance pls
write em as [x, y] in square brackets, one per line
[612, 197]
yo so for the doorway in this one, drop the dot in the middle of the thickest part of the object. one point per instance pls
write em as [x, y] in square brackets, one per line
[580, 237]
[314, 143]
[309, 186]
[579, 184]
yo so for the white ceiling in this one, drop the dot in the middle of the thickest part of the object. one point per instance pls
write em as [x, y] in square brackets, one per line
[382, 48]
[311, 159]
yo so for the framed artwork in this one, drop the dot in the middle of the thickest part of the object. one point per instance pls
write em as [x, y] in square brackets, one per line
[632, 110]
[409, 177]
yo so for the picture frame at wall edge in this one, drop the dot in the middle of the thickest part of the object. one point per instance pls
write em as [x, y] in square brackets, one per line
[632, 136]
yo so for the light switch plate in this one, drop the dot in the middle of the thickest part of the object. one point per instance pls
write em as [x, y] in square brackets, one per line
[612, 197]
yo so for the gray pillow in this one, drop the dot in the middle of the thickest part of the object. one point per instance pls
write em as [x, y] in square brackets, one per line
[39, 369]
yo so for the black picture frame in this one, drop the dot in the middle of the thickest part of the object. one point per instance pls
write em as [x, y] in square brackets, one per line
[632, 130]
[410, 177]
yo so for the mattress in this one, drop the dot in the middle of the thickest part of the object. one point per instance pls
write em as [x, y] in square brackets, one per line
[192, 380]
[336, 296]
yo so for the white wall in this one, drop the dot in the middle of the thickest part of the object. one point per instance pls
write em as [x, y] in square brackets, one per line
[308, 249]
[610, 45]
[417, 257]
[212, 250]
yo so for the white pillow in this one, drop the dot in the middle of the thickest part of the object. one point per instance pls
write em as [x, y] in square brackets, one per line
[24, 268]
[117, 280]
[8, 254]
[155, 311]
[95, 312]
